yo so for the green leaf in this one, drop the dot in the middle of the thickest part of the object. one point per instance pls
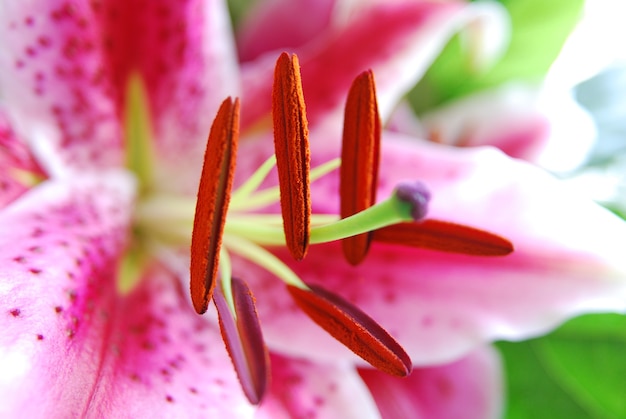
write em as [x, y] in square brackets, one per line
[578, 371]
[539, 30]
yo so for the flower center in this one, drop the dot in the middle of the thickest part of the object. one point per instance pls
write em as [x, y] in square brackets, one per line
[220, 222]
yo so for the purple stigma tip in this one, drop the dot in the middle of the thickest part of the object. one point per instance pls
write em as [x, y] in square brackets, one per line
[416, 194]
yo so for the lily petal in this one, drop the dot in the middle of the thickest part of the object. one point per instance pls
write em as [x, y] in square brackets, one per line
[542, 126]
[71, 346]
[270, 25]
[65, 71]
[302, 389]
[567, 260]
[18, 168]
[468, 388]
[402, 38]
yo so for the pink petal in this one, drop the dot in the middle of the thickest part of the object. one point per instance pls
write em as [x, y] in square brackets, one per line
[567, 260]
[273, 25]
[397, 40]
[55, 79]
[71, 346]
[16, 160]
[302, 389]
[542, 126]
[67, 66]
[468, 388]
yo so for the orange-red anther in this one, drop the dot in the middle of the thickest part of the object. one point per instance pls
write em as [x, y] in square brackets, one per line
[212, 204]
[360, 156]
[355, 329]
[445, 236]
[292, 154]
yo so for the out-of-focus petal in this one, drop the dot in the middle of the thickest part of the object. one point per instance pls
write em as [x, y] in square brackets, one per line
[71, 345]
[272, 25]
[18, 167]
[567, 260]
[397, 40]
[545, 127]
[65, 70]
[467, 388]
[184, 51]
[303, 389]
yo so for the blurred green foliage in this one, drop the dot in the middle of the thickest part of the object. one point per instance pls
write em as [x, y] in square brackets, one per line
[578, 371]
[539, 29]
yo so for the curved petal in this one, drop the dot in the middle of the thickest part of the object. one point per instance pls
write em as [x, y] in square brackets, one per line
[302, 389]
[468, 388]
[68, 64]
[545, 127]
[397, 40]
[567, 259]
[71, 346]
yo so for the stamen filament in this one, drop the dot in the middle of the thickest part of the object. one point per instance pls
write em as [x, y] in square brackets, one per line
[270, 195]
[243, 192]
[264, 258]
[226, 273]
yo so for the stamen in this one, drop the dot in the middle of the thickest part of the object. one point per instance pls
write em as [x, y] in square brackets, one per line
[359, 159]
[212, 204]
[355, 329]
[292, 153]
[264, 258]
[243, 338]
[446, 237]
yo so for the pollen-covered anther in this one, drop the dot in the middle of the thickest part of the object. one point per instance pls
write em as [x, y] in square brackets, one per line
[292, 154]
[445, 236]
[241, 332]
[355, 329]
[360, 154]
[212, 203]
[417, 195]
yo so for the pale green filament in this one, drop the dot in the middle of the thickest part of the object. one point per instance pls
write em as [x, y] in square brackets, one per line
[263, 258]
[138, 131]
[268, 196]
[242, 193]
[226, 273]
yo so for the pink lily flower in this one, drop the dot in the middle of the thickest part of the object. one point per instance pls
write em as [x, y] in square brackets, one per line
[75, 344]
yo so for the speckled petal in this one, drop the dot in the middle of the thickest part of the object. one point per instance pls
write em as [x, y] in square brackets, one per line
[71, 346]
[66, 66]
[568, 258]
[398, 40]
[304, 389]
[468, 388]
[18, 168]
